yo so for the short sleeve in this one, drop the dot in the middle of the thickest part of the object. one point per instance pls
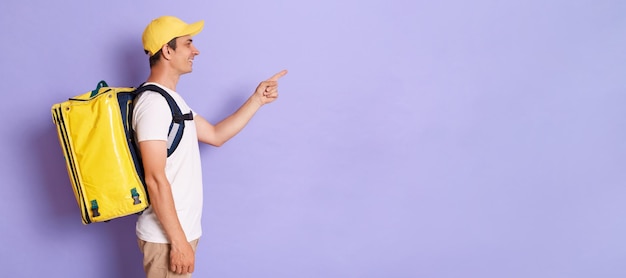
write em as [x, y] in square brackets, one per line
[151, 117]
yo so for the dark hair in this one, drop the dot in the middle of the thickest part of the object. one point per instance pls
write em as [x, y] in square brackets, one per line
[157, 56]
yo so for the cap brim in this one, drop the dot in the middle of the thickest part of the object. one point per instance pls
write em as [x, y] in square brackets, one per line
[193, 28]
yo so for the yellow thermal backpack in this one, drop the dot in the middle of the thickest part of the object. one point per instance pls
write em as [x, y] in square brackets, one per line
[101, 154]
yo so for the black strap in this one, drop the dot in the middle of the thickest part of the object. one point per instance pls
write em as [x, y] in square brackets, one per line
[177, 115]
[184, 117]
[178, 118]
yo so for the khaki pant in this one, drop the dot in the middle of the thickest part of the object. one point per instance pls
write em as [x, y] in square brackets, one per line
[156, 259]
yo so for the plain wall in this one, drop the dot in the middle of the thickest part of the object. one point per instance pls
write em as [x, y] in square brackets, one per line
[411, 138]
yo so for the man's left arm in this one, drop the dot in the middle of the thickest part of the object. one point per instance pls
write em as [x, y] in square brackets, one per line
[216, 135]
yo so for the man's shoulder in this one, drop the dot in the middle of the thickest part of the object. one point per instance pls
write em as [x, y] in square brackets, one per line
[150, 100]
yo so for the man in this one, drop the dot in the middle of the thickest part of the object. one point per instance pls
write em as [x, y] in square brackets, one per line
[168, 231]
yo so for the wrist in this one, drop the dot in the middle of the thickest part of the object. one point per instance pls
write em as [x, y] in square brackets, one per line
[256, 101]
[179, 240]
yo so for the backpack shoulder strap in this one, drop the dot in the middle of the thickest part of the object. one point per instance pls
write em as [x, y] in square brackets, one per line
[175, 133]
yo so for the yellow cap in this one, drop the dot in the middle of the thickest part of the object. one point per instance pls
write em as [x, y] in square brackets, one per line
[163, 29]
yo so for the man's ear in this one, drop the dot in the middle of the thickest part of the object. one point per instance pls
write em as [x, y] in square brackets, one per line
[165, 51]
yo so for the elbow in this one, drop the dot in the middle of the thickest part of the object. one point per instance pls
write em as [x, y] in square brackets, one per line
[152, 184]
[217, 144]
[149, 180]
[213, 137]
[155, 184]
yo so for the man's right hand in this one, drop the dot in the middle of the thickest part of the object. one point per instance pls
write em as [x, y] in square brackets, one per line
[267, 91]
[182, 258]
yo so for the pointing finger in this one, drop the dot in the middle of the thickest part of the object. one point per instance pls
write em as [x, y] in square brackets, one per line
[278, 75]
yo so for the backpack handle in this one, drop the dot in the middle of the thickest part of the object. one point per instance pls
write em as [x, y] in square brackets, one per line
[101, 84]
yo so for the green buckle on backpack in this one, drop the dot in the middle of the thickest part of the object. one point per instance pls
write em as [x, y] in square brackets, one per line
[94, 208]
[135, 195]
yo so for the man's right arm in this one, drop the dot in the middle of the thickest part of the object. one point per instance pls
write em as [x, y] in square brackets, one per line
[154, 157]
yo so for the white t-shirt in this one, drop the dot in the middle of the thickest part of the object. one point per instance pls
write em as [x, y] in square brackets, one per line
[151, 121]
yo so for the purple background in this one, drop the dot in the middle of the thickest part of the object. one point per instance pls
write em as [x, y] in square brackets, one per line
[411, 139]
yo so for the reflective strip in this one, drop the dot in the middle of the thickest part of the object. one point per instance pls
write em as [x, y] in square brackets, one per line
[172, 134]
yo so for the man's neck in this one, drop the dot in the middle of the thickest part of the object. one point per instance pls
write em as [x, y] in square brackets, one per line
[163, 77]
